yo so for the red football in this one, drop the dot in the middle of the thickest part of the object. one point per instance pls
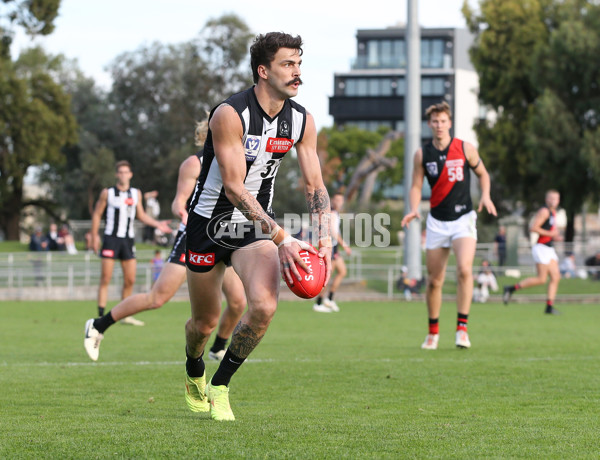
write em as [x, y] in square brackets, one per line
[312, 283]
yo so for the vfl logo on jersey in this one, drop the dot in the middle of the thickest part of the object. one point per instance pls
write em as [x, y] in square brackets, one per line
[432, 168]
[129, 201]
[284, 129]
[251, 146]
[201, 259]
[279, 145]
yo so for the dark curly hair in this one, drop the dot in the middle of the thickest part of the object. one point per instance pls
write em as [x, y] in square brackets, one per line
[262, 51]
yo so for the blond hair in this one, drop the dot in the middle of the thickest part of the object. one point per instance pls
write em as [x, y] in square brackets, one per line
[200, 132]
[441, 107]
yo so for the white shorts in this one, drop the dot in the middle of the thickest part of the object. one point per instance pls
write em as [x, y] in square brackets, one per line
[543, 254]
[441, 233]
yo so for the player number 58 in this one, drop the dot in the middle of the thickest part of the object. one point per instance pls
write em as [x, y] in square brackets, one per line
[455, 174]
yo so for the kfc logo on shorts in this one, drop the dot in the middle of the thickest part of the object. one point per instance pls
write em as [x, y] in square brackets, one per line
[279, 145]
[108, 253]
[201, 259]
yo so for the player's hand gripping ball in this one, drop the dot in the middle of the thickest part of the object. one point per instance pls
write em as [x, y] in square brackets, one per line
[311, 284]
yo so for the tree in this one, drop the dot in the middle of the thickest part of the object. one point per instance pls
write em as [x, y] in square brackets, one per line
[160, 91]
[36, 124]
[89, 164]
[536, 73]
[35, 16]
[363, 160]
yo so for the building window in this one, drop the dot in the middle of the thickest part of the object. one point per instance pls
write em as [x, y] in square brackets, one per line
[432, 86]
[436, 53]
[372, 54]
[369, 125]
[432, 53]
[368, 87]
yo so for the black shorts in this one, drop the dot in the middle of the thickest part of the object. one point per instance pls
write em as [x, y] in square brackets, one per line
[177, 255]
[114, 247]
[334, 252]
[210, 241]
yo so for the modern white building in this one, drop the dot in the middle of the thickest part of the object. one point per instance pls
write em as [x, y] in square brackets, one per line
[372, 93]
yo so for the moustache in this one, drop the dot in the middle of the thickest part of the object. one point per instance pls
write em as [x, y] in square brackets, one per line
[295, 80]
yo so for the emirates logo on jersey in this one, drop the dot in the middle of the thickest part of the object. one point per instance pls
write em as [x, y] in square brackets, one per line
[279, 145]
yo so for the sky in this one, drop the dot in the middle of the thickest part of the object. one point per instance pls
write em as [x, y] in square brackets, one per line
[94, 33]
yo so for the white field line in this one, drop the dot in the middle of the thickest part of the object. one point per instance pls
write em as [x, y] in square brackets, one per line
[298, 360]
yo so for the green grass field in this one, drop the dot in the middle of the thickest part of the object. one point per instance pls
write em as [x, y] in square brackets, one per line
[349, 385]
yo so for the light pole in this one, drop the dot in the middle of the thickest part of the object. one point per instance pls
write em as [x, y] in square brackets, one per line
[412, 139]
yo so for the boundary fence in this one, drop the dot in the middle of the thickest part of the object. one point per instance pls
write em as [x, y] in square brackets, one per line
[373, 273]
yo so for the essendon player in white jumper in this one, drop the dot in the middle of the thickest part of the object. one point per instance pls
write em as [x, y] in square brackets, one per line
[122, 204]
[446, 162]
[544, 254]
[250, 134]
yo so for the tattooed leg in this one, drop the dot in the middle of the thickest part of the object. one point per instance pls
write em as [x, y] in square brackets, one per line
[245, 339]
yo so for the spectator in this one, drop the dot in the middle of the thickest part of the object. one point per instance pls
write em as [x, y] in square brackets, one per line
[409, 286]
[593, 262]
[88, 242]
[38, 241]
[153, 210]
[486, 281]
[156, 265]
[567, 266]
[500, 243]
[67, 236]
[54, 240]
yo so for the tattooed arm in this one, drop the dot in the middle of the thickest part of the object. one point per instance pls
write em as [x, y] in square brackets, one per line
[317, 197]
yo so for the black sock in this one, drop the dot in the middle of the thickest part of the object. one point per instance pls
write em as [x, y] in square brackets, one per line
[219, 344]
[461, 322]
[319, 300]
[330, 296]
[228, 366]
[103, 323]
[100, 311]
[194, 366]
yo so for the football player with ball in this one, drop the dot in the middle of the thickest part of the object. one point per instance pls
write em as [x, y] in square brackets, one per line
[250, 134]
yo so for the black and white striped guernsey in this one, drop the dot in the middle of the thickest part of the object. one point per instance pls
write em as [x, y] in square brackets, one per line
[266, 142]
[120, 212]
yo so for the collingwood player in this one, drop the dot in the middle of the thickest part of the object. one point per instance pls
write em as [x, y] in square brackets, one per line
[122, 204]
[249, 135]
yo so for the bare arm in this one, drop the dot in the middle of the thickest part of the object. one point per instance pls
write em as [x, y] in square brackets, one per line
[186, 181]
[415, 193]
[97, 217]
[317, 197]
[536, 226]
[162, 225]
[229, 152]
[479, 169]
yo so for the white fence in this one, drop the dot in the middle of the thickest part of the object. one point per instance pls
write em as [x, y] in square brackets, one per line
[372, 272]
